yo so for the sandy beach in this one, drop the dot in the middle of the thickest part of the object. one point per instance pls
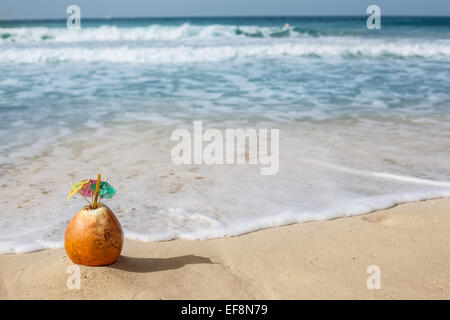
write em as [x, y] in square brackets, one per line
[410, 244]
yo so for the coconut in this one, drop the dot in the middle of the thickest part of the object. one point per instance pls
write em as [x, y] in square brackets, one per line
[94, 237]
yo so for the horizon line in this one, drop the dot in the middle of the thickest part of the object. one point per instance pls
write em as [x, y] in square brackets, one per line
[231, 16]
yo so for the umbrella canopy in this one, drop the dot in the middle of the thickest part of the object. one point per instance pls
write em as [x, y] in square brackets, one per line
[106, 190]
[87, 188]
[77, 188]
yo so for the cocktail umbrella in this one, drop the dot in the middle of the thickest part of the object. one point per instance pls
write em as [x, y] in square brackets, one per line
[105, 190]
[77, 187]
[87, 190]
[90, 188]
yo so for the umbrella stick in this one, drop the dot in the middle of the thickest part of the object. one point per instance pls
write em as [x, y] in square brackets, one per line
[97, 188]
[86, 200]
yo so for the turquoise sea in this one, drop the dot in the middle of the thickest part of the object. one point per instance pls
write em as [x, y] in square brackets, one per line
[364, 119]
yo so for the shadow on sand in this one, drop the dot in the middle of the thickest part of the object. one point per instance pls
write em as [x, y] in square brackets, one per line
[141, 265]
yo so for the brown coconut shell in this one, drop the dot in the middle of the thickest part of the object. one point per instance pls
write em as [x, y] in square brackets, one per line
[94, 237]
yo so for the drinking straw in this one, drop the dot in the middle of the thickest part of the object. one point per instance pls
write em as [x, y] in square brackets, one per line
[97, 188]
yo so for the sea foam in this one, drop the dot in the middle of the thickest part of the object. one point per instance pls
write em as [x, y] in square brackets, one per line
[332, 48]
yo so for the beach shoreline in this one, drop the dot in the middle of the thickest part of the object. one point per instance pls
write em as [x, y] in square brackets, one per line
[312, 260]
[355, 130]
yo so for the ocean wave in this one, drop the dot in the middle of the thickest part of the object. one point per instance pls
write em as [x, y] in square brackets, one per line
[109, 33]
[152, 32]
[214, 53]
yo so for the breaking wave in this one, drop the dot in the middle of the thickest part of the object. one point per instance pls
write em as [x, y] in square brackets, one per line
[349, 48]
[152, 32]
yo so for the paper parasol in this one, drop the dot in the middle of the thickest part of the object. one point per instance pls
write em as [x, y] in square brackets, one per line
[78, 187]
[91, 188]
[105, 191]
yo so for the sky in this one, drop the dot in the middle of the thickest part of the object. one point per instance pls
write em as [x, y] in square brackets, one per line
[54, 9]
